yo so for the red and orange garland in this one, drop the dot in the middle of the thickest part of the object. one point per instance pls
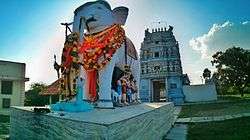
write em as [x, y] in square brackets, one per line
[97, 50]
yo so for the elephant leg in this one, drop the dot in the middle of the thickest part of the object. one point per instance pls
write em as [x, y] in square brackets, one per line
[82, 83]
[105, 78]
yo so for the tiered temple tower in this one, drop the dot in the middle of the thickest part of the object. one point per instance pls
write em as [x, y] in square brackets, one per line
[161, 70]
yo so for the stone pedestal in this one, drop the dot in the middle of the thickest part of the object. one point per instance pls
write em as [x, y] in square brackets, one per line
[147, 121]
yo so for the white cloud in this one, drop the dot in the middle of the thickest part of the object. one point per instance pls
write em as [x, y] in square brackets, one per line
[222, 36]
[245, 22]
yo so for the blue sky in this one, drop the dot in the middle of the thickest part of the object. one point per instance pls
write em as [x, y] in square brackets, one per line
[31, 30]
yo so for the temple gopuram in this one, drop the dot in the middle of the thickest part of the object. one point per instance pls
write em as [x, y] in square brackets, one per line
[161, 70]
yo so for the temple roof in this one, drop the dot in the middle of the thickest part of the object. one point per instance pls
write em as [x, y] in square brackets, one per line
[52, 89]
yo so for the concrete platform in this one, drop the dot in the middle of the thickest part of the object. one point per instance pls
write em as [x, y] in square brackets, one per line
[144, 121]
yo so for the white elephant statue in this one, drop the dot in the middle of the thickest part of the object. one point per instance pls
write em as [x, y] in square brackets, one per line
[94, 19]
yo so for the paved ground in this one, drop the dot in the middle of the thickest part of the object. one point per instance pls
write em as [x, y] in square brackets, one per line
[210, 119]
[207, 102]
[176, 112]
[178, 131]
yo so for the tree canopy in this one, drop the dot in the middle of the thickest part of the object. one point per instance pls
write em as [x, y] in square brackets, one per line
[206, 73]
[32, 97]
[233, 67]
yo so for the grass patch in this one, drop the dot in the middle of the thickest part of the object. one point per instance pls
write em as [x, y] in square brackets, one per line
[235, 129]
[235, 105]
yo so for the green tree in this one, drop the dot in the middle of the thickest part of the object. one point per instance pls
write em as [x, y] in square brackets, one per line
[206, 73]
[32, 97]
[233, 68]
[220, 88]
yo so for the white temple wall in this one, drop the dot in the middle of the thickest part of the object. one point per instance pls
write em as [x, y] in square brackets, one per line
[200, 93]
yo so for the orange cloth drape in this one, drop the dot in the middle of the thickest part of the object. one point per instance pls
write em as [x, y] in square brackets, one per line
[91, 84]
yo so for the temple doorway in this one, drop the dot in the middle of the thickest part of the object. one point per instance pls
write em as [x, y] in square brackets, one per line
[159, 91]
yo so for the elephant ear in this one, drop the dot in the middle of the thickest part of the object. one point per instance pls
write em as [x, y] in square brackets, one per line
[120, 14]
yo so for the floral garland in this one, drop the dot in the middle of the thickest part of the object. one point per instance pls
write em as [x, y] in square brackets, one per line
[97, 50]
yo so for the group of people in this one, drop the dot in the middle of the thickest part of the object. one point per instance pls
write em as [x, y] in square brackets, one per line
[126, 91]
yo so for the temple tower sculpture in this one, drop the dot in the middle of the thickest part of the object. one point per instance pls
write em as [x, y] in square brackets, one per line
[161, 70]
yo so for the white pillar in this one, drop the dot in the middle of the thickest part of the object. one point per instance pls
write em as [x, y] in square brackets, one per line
[60, 97]
[50, 99]
[166, 86]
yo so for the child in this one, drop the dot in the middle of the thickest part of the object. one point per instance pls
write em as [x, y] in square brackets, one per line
[124, 89]
[129, 92]
[119, 90]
